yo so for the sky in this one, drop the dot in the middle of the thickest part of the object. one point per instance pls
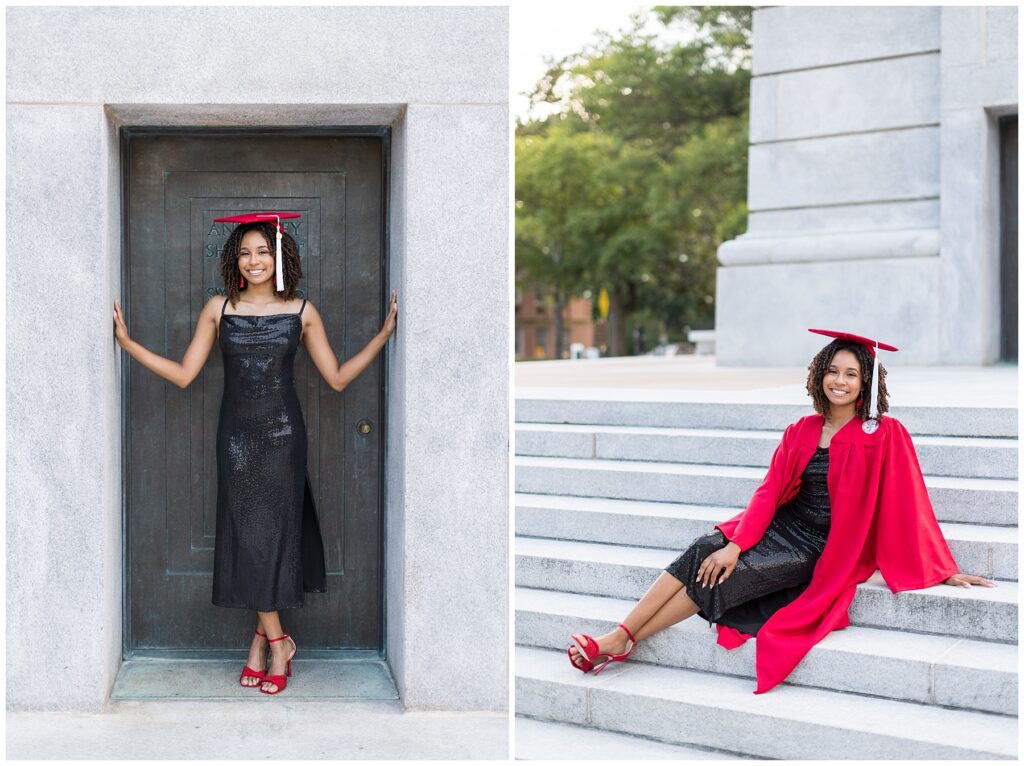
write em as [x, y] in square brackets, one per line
[556, 29]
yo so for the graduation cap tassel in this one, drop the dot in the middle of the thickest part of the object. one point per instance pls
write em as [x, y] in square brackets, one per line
[870, 425]
[277, 266]
[874, 388]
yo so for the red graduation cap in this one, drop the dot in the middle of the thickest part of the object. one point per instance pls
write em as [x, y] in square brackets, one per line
[871, 424]
[265, 216]
[869, 343]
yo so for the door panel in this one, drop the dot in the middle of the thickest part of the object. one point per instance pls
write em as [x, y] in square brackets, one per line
[1008, 224]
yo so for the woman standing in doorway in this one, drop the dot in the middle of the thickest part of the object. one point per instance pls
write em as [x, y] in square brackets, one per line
[267, 550]
[843, 496]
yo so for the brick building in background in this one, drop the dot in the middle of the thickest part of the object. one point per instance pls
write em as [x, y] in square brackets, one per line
[535, 325]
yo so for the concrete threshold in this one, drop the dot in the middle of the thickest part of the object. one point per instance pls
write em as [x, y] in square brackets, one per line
[259, 727]
[167, 679]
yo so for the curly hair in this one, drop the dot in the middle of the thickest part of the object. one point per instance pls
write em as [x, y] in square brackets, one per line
[289, 259]
[819, 366]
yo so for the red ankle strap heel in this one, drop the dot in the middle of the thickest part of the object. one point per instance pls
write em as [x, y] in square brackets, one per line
[281, 681]
[618, 657]
[628, 634]
[589, 651]
[248, 672]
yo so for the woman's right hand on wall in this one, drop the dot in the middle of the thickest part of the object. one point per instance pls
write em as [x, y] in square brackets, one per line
[120, 328]
[389, 321]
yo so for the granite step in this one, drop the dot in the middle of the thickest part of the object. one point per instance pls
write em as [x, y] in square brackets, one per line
[614, 408]
[982, 458]
[979, 549]
[543, 740]
[711, 710]
[966, 500]
[938, 670]
[987, 614]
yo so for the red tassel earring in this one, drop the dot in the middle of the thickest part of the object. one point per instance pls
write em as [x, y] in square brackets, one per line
[241, 282]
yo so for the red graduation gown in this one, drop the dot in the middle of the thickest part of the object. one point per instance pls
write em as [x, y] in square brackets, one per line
[881, 518]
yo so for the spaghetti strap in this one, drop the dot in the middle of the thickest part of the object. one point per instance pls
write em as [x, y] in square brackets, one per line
[223, 306]
[303, 306]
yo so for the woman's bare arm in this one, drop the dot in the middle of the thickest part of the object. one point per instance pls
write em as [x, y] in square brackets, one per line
[319, 348]
[180, 373]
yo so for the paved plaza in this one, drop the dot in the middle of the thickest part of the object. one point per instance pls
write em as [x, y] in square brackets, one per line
[699, 378]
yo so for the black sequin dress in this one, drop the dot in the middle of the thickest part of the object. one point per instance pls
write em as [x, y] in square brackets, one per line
[268, 549]
[773, 572]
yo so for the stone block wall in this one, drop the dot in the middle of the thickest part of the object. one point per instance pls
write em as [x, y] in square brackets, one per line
[855, 221]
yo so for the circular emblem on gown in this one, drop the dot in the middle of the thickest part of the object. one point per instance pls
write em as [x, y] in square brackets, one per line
[869, 426]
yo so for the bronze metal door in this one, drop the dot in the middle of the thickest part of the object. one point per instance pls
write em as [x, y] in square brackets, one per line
[1008, 246]
[175, 184]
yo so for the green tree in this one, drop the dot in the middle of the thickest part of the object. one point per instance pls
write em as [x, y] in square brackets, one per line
[559, 196]
[701, 200]
[636, 86]
[671, 173]
[632, 243]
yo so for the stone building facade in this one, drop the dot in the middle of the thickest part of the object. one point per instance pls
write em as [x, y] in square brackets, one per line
[435, 80]
[882, 185]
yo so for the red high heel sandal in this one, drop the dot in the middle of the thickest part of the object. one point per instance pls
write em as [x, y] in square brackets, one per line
[281, 681]
[248, 672]
[589, 652]
[579, 661]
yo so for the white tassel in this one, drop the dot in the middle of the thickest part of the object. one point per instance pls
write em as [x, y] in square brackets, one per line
[874, 386]
[278, 266]
[870, 425]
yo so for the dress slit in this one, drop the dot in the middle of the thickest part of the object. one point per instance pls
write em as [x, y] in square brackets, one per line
[314, 569]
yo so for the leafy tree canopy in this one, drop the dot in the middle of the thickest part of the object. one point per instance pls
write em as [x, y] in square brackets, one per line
[640, 173]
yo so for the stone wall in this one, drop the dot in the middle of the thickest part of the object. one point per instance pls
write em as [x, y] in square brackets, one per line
[438, 76]
[871, 208]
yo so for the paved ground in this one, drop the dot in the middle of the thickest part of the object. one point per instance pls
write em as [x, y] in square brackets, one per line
[195, 709]
[698, 378]
[263, 727]
[541, 740]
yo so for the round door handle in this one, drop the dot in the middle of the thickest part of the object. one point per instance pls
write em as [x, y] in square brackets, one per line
[364, 427]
